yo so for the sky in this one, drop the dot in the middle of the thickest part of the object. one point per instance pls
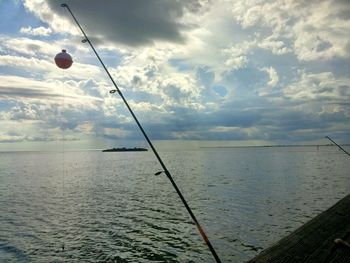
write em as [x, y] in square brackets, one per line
[233, 72]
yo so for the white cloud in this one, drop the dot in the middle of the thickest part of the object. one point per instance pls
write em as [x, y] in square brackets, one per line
[272, 75]
[46, 68]
[318, 86]
[236, 55]
[316, 29]
[27, 46]
[40, 110]
[165, 84]
[323, 31]
[45, 92]
[37, 31]
[250, 50]
[58, 23]
[11, 138]
[276, 45]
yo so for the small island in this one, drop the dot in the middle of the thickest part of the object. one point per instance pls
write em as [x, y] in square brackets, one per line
[135, 149]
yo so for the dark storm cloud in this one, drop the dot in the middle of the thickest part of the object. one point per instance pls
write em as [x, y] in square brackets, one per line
[134, 22]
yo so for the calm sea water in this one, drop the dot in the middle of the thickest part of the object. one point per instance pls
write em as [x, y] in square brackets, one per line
[90, 206]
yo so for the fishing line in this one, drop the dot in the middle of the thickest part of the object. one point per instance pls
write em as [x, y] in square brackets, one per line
[165, 170]
[63, 153]
[63, 157]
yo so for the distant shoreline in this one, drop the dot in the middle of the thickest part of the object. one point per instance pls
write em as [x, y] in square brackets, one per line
[126, 150]
[273, 146]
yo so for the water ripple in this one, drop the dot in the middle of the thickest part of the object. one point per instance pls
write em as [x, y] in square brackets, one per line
[111, 208]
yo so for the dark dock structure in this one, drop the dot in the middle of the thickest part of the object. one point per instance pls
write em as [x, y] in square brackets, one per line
[324, 239]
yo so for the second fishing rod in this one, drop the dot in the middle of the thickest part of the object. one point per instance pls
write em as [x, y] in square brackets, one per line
[166, 171]
[341, 148]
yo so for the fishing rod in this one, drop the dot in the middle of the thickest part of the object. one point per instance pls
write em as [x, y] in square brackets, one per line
[165, 170]
[341, 148]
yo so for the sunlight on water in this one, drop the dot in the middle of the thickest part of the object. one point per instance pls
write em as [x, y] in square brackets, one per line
[91, 206]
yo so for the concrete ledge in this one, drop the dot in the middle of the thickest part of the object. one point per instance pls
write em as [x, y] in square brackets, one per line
[315, 241]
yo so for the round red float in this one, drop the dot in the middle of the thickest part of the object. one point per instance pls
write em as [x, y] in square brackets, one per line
[63, 59]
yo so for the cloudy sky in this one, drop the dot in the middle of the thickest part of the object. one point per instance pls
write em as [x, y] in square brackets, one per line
[249, 72]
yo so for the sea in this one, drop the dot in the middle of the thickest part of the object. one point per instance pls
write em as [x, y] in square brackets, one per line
[90, 206]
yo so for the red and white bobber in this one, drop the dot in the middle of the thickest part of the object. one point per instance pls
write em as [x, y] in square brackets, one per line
[63, 59]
